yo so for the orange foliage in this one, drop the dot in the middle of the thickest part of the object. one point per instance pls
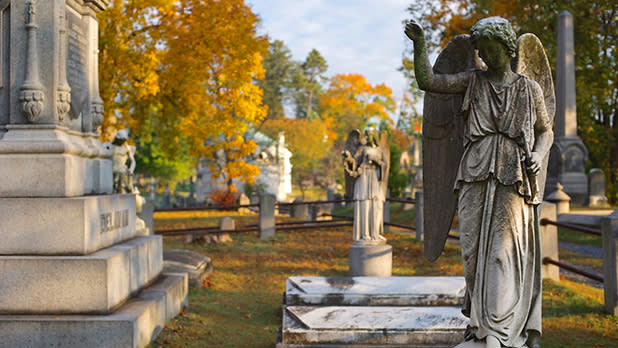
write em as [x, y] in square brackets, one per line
[352, 102]
[223, 197]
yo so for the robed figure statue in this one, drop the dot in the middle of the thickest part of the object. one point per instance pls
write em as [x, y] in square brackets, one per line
[487, 135]
[366, 165]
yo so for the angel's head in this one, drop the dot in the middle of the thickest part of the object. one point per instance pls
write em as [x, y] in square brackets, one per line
[371, 136]
[487, 32]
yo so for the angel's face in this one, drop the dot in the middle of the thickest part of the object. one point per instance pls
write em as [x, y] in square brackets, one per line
[493, 52]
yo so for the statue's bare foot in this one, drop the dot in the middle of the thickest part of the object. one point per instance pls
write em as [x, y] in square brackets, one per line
[492, 342]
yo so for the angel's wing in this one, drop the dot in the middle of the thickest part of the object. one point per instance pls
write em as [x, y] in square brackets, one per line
[532, 62]
[443, 146]
[386, 155]
[351, 145]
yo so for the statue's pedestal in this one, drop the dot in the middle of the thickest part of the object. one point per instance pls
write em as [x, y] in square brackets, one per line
[370, 259]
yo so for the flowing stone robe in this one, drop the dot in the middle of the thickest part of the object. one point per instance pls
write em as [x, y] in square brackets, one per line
[497, 210]
[369, 196]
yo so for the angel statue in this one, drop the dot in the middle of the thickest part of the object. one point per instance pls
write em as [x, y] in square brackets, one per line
[487, 134]
[366, 164]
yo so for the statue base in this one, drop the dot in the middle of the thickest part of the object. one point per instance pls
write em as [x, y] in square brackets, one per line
[370, 259]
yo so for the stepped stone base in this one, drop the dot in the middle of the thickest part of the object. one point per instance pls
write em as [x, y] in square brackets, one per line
[134, 325]
[65, 226]
[95, 283]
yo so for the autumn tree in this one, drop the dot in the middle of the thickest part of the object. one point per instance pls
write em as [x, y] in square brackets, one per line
[596, 49]
[183, 74]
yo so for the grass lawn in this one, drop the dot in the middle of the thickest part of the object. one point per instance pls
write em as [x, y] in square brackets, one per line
[242, 306]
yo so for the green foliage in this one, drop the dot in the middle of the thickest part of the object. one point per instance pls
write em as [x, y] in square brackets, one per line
[277, 82]
[307, 83]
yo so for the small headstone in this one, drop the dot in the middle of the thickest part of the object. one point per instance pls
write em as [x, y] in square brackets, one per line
[407, 194]
[243, 200]
[166, 203]
[227, 224]
[301, 210]
[596, 189]
[180, 201]
[153, 191]
[330, 194]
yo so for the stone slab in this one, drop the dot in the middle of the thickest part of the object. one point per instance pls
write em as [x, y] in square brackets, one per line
[65, 226]
[372, 325]
[134, 325]
[196, 265]
[96, 283]
[375, 291]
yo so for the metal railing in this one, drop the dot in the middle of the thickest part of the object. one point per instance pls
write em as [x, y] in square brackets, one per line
[565, 265]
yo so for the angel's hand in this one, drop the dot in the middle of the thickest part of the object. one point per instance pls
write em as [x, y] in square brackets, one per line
[535, 162]
[414, 31]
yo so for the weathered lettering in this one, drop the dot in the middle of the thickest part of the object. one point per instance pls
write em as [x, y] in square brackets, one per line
[114, 220]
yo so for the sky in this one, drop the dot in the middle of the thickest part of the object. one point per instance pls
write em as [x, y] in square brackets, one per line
[363, 36]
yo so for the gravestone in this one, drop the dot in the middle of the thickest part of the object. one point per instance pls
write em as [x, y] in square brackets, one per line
[300, 210]
[596, 189]
[568, 155]
[74, 271]
[267, 215]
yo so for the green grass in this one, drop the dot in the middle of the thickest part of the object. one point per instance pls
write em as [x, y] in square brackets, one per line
[242, 305]
[570, 236]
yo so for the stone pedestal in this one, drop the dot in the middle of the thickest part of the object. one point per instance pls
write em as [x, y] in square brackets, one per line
[368, 259]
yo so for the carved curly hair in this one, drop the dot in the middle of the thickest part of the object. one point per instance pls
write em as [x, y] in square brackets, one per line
[496, 28]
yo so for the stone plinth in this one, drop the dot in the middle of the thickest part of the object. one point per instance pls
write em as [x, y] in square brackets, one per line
[310, 326]
[132, 325]
[375, 291]
[368, 259]
[65, 226]
[95, 283]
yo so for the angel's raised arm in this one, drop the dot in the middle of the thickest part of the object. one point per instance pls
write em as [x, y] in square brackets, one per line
[427, 80]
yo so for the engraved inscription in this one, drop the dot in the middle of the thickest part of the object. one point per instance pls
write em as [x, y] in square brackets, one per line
[76, 64]
[115, 220]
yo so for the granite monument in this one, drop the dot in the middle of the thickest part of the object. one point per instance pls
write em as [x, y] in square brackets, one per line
[75, 272]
